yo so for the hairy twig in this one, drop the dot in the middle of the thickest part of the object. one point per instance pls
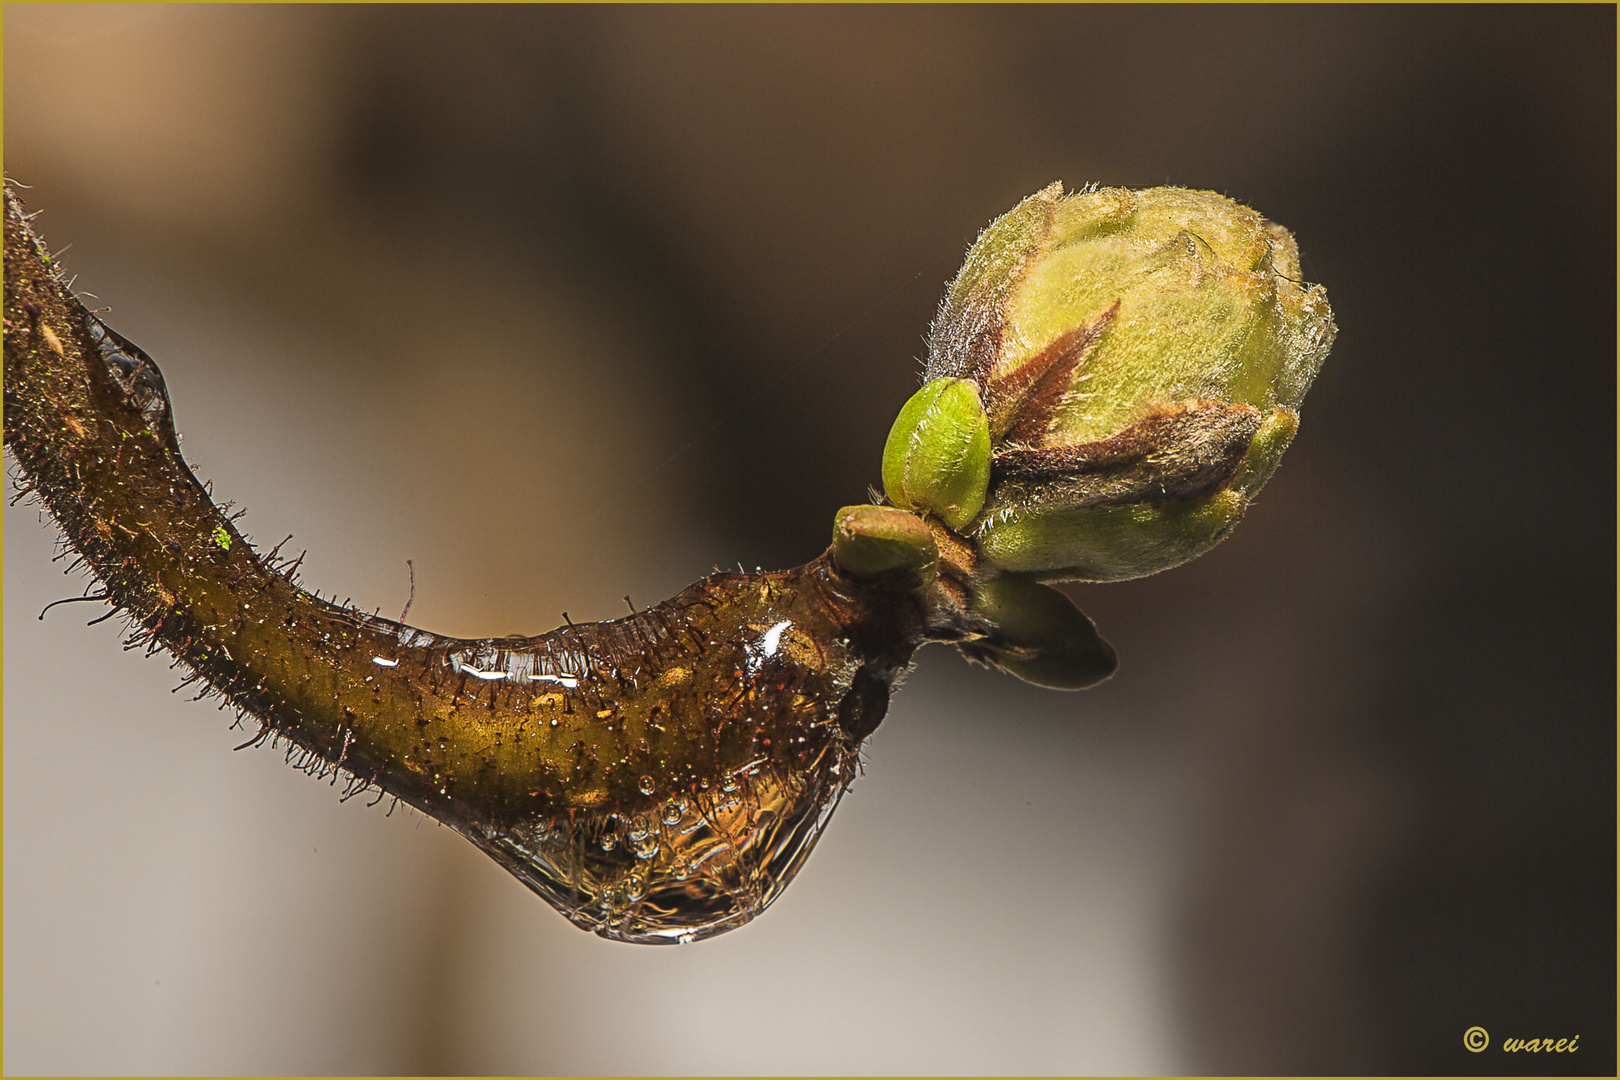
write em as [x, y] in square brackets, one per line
[747, 691]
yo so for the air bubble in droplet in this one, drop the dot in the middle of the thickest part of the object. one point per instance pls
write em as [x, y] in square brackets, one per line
[609, 841]
[674, 810]
[646, 785]
[635, 887]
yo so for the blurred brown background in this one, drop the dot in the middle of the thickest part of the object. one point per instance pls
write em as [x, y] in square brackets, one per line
[566, 303]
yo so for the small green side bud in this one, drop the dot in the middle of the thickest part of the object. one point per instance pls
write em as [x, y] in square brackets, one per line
[1039, 635]
[937, 458]
[885, 545]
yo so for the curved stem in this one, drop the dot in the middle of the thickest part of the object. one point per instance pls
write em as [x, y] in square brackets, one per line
[741, 675]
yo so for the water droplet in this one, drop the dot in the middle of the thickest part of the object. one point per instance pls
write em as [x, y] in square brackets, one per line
[687, 867]
[646, 785]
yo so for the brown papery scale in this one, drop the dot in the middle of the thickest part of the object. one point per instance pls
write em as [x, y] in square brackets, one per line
[658, 778]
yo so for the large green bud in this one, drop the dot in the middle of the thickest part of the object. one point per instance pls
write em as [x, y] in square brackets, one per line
[1111, 378]
[1141, 357]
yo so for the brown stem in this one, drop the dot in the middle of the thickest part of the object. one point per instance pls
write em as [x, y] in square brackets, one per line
[767, 681]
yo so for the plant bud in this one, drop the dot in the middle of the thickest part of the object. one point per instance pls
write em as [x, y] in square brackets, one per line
[882, 545]
[1140, 358]
[937, 458]
[1040, 635]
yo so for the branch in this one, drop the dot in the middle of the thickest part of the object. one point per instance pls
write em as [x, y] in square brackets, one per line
[1112, 378]
[717, 728]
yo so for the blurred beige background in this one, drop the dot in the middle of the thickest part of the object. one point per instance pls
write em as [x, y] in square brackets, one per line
[561, 304]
